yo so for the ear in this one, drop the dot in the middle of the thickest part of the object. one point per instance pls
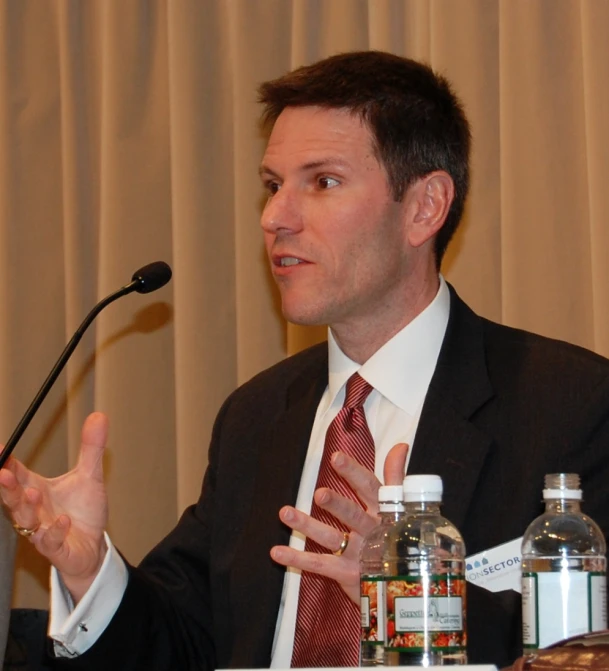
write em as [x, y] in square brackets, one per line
[430, 198]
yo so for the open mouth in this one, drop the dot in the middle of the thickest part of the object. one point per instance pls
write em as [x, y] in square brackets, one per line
[287, 261]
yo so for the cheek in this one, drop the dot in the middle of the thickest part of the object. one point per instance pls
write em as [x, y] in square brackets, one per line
[268, 241]
[378, 250]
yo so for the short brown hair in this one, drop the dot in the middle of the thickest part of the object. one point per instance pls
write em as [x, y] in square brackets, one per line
[417, 122]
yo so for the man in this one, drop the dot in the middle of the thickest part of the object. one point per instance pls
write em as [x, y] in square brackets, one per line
[366, 171]
[7, 547]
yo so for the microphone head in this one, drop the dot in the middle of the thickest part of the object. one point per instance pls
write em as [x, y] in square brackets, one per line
[151, 277]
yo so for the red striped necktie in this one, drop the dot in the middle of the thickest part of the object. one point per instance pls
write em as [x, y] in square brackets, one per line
[328, 623]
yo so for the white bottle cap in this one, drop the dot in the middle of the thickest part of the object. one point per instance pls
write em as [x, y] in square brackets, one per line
[422, 488]
[391, 493]
[562, 486]
[570, 494]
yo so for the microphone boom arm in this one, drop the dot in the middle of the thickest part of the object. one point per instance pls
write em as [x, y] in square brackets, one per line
[147, 279]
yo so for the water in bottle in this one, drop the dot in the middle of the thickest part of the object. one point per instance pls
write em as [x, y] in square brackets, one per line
[563, 568]
[372, 592]
[424, 567]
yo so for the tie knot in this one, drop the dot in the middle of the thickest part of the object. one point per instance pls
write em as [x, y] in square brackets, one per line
[357, 391]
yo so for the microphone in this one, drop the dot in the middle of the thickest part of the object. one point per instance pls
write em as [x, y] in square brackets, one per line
[144, 281]
[151, 277]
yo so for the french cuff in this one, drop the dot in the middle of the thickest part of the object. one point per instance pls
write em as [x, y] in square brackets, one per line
[75, 629]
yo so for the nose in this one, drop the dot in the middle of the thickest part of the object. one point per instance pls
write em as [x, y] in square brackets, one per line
[282, 213]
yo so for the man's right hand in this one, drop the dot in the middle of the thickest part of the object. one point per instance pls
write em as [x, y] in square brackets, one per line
[69, 512]
[344, 568]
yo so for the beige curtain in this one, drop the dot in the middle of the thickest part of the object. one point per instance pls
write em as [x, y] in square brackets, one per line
[128, 134]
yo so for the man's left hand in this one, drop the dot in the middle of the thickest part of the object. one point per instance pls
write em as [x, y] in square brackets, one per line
[343, 568]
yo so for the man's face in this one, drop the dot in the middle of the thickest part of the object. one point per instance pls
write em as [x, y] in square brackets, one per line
[336, 239]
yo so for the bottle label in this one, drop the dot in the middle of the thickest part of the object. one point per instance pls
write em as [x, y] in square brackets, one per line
[557, 605]
[426, 613]
[372, 601]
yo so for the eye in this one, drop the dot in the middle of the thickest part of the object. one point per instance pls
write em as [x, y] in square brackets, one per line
[272, 187]
[327, 182]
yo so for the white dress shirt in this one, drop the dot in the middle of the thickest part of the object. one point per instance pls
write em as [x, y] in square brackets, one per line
[399, 372]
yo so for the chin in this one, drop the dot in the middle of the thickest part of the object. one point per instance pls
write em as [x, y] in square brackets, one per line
[304, 316]
[304, 320]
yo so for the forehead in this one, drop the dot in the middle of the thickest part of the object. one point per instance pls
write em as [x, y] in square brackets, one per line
[301, 132]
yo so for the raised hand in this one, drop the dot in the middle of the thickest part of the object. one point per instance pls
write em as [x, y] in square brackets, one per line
[67, 515]
[344, 567]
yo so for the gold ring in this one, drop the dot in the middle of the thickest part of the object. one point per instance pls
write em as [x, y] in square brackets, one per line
[343, 545]
[24, 531]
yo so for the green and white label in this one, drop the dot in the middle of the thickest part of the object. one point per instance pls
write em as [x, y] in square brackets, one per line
[372, 602]
[558, 605]
[426, 613]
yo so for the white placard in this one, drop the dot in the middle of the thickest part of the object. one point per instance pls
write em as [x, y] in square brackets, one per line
[497, 568]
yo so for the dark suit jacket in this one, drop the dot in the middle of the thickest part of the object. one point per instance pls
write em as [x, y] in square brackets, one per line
[504, 408]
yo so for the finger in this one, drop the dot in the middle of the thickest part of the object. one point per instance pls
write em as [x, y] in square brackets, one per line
[11, 490]
[21, 503]
[342, 569]
[394, 467]
[93, 442]
[323, 564]
[20, 472]
[327, 536]
[8, 483]
[350, 513]
[363, 481]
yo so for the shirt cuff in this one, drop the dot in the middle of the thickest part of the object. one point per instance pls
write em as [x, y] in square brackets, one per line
[75, 629]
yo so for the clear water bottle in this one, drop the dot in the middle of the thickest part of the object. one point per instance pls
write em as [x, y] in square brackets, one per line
[563, 568]
[372, 582]
[424, 568]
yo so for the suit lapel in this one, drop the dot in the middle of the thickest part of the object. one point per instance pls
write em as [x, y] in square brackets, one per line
[447, 442]
[278, 478]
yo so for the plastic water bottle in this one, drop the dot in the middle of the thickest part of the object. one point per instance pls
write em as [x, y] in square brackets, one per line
[424, 568]
[372, 591]
[563, 568]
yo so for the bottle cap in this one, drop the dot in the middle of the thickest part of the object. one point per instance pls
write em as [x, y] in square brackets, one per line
[562, 486]
[422, 488]
[391, 493]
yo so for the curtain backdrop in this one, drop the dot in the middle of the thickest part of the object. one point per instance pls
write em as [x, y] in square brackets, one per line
[128, 134]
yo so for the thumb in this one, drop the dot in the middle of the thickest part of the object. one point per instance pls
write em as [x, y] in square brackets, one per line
[93, 442]
[395, 464]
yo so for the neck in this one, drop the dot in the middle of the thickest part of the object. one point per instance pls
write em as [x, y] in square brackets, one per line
[360, 339]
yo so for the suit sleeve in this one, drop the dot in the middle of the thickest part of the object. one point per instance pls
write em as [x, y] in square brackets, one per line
[589, 456]
[165, 619]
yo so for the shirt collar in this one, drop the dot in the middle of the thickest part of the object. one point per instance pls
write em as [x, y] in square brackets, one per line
[402, 368]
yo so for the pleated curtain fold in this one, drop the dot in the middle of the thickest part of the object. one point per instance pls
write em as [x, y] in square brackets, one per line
[128, 133]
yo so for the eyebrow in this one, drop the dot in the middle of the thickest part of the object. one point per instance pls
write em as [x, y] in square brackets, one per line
[311, 165]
